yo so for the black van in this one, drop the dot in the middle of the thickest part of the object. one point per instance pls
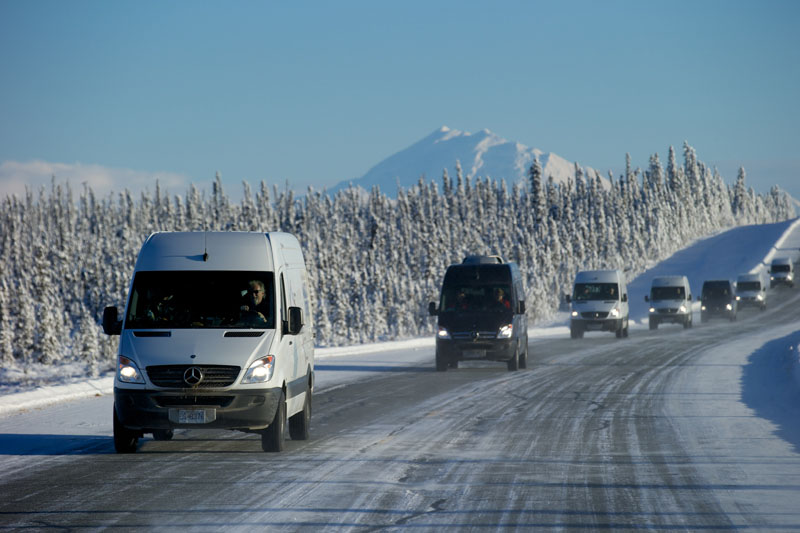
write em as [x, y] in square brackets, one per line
[481, 314]
[718, 299]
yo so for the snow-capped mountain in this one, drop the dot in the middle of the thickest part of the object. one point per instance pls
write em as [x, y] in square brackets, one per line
[481, 155]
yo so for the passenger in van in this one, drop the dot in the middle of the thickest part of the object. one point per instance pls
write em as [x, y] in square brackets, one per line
[500, 299]
[162, 308]
[255, 305]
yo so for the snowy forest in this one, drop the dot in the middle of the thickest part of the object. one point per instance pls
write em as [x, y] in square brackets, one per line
[374, 261]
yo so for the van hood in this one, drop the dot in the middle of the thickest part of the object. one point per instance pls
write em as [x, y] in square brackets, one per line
[586, 306]
[669, 304]
[195, 346]
[467, 321]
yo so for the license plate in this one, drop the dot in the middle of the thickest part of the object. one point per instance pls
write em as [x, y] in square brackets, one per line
[192, 416]
[473, 354]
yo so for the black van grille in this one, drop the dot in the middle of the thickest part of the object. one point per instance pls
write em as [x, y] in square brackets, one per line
[193, 401]
[171, 376]
[473, 335]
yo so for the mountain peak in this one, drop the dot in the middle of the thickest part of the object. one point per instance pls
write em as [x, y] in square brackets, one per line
[481, 155]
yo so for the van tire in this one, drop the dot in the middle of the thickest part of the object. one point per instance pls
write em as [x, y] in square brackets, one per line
[523, 359]
[513, 363]
[453, 363]
[125, 440]
[618, 332]
[300, 423]
[441, 362]
[272, 437]
[575, 332]
[653, 323]
[687, 323]
[625, 330]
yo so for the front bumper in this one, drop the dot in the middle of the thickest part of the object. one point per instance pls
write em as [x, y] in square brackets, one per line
[489, 350]
[158, 409]
[598, 324]
[673, 316]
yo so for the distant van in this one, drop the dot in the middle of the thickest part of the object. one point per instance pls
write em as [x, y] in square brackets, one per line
[751, 291]
[781, 272]
[481, 314]
[718, 298]
[217, 333]
[599, 302]
[670, 301]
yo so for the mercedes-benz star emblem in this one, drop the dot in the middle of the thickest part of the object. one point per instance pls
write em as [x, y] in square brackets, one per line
[193, 376]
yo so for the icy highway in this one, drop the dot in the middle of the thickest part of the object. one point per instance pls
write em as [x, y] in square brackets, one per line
[670, 429]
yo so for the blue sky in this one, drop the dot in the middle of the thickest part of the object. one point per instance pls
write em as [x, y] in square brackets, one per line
[313, 93]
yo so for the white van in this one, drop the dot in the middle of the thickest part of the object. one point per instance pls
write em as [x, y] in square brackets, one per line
[217, 333]
[751, 290]
[599, 303]
[781, 272]
[670, 301]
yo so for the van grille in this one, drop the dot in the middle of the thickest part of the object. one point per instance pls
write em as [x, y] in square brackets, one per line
[668, 311]
[595, 314]
[171, 376]
[473, 335]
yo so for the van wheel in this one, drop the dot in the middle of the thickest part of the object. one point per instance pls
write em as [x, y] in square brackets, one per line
[513, 363]
[653, 323]
[299, 423]
[453, 363]
[272, 437]
[523, 359]
[625, 330]
[163, 434]
[618, 333]
[575, 332]
[125, 440]
[687, 323]
[441, 362]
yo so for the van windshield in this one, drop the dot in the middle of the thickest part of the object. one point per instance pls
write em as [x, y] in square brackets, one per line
[716, 289]
[780, 268]
[476, 298]
[596, 291]
[667, 293]
[207, 299]
[748, 286]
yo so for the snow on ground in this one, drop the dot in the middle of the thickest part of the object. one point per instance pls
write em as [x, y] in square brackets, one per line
[774, 368]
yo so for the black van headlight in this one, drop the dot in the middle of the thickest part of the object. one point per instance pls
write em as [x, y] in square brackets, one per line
[260, 371]
[506, 331]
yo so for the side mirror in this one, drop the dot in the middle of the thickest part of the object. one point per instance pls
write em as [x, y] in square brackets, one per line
[568, 298]
[624, 297]
[646, 298]
[521, 308]
[295, 322]
[111, 324]
[432, 309]
[690, 297]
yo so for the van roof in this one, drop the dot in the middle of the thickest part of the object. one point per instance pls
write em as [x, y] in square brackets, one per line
[782, 261]
[601, 276]
[670, 281]
[749, 277]
[207, 250]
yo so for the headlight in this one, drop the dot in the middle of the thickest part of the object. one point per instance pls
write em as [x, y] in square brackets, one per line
[738, 298]
[702, 307]
[574, 314]
[127, 371]
[652, 309]
[682, 309]
[260, 371]
[772, 278]
[729, 307]
[442, 333]
[759, 297]
[505, 331]
[788, 276]
[614, 313]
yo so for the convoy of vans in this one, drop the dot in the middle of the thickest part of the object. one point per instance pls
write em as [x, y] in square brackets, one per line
[599, 302]
[217, 333]
[481, 314]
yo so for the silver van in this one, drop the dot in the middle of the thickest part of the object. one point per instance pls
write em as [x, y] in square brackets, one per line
[217, 333]
[751, 291]
[599, 302]
[670, 301]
